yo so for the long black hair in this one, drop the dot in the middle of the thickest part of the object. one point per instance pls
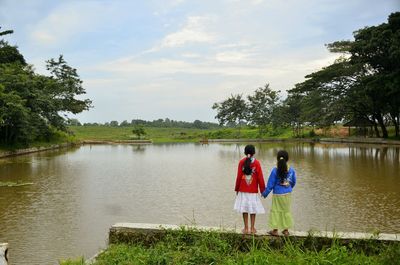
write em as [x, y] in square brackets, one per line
[282, 166]
[249, 151]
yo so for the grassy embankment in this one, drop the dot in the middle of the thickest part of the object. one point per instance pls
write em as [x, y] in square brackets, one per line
[159, 135]
[163, 135]
[176, 135]
[191, 247]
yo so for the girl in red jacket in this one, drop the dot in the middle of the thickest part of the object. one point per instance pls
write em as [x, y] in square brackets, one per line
[249, 181]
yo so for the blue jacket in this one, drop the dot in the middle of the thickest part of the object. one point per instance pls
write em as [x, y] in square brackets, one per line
[275, 185]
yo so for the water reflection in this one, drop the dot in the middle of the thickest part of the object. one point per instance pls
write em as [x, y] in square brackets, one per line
[79, 193]
[138, 148]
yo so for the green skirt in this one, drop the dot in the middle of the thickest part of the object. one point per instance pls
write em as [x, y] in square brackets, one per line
[280, 216]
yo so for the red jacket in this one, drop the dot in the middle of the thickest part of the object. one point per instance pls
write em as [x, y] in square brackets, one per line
[256, 181]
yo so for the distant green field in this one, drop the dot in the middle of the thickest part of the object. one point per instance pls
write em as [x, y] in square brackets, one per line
[125, 133]
[159, 135]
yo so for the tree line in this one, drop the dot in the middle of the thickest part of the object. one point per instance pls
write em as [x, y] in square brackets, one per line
[159, 123]
[364, 83]
[33, 107]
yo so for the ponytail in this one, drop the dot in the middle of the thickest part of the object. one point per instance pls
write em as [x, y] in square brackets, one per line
[282, 166]
[249, 151]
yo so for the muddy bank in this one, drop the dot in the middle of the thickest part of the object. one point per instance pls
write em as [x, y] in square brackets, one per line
[354, 140]
[25, 151]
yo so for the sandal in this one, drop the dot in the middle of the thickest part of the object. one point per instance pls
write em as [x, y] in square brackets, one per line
[285, 232]
[253, 231]
[245, 231]
[273, 233]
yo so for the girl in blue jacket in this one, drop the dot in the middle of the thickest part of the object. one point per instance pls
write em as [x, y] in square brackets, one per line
[281, 181]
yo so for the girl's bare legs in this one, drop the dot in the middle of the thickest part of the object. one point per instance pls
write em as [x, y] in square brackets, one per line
[246, 223]
[253, 221]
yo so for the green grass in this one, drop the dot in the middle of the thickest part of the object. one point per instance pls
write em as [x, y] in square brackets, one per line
[125, 133]
[77, 261]
[191, 247]
[159, 135]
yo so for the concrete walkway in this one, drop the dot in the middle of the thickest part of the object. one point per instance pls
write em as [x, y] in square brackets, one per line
[153, 228]
[131, 229]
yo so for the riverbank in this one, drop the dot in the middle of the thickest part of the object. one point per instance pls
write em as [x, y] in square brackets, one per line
[140, 142]
[169, 244]
[350, 140]
[24, 151]
[179, 135]
[123, 135]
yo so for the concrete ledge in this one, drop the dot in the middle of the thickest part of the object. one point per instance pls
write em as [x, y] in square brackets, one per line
[92, 259]
[3, 253]
[132, 228]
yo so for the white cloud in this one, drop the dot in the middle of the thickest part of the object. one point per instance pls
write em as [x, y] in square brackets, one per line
[257, 2]
[195, 30]
[170, 66]
[224, 64]
[44, 37]
[231, 56]
[177, 2]
[191, 55]
[67, 21]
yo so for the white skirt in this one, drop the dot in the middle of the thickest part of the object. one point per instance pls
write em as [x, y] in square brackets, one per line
[248, 203]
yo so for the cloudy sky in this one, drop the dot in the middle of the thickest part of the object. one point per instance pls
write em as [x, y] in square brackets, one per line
[157, 58]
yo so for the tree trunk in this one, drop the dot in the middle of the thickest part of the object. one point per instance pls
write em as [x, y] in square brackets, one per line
[376, 127]
[382, 125]
[398, 126]
[260, 131]
[395, 121]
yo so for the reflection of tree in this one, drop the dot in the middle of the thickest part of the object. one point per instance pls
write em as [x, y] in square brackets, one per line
[238, 149]
[56, 152]
[381, 153]
[234, 151]
[140, 148]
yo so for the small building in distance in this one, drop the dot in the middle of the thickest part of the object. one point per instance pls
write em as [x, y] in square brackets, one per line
[363, 127]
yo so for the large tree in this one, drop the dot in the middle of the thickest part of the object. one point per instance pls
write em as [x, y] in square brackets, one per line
[375, 51]
[289, 113]
[325, 93]
[261, 106]
[33, 106]
[365, 82]
[232, 110]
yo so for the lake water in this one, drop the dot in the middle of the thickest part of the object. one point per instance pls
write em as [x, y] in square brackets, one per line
[77, 194]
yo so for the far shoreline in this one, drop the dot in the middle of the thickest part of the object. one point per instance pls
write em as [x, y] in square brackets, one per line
[4, 153]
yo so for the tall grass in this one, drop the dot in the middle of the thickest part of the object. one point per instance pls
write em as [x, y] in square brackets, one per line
[193, 247]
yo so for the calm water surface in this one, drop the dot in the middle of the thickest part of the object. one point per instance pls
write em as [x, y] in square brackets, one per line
[79, 193]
